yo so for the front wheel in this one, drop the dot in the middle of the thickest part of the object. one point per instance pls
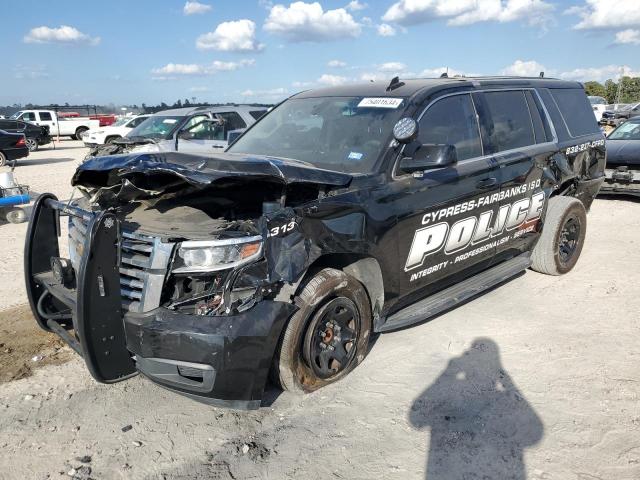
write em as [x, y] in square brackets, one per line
[3, 159]
[562, 238]
[327, 337]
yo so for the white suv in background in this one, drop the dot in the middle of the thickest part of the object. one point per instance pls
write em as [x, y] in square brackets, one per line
[102, 135]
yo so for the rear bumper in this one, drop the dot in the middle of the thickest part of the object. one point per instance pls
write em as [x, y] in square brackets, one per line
[621, 181]
[16, 153]
[219, 360]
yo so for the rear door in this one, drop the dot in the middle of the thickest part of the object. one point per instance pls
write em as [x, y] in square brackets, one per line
[516, 132]
[46, 119]
[444, 229]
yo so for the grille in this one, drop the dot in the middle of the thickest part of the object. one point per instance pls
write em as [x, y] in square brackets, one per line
[143, 265]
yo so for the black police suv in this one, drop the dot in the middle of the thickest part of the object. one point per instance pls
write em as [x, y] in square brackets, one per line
[342, 212]
[35, 135]
[12, 147]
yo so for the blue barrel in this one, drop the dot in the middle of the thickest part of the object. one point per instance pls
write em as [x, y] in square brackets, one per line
[14, 200]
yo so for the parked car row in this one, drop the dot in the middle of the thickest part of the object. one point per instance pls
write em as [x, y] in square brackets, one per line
[35, 135]
[190, 130]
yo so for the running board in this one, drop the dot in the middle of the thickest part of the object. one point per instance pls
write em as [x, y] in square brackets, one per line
[456, 294]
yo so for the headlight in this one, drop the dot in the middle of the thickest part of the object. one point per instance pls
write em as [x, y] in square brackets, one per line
[209, 256]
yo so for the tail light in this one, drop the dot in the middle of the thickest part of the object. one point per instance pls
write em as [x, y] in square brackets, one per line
[21, 142]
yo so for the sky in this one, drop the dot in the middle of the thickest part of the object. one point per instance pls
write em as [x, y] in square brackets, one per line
[148, 51]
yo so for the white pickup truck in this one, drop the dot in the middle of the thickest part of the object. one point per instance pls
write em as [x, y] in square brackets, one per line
[58, 126]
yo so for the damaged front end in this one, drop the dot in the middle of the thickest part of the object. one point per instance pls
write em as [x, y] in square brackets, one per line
[180, 267]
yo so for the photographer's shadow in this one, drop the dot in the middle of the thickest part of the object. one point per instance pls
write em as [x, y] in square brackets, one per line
[480, 423]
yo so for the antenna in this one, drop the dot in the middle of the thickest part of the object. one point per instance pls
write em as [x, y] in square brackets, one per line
[395, 83]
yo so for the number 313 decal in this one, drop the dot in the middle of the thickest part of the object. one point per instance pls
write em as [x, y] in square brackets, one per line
[282, 229]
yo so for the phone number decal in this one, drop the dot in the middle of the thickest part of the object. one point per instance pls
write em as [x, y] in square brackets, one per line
[584, 146]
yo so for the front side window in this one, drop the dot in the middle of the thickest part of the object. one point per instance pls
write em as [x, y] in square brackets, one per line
[345, 134]
[156, 127]
[452, 121]
[509, 123]
[29, 117]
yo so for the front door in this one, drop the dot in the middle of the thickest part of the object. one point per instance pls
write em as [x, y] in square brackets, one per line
[200, 135]
[446, 216]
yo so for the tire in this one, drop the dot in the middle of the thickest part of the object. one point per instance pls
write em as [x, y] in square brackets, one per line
[79, 132]
[329, 296]
[3, 159]
[562, 238]
[16, 215]
[110, 140]
[32, 144]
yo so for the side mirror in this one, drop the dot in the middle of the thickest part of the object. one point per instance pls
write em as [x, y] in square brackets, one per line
[428, 156]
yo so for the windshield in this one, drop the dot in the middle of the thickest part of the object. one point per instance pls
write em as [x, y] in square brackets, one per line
[597, 100]
[156, 127]
[15, 115]
[345, 134]
[121, 121]
[626, 131]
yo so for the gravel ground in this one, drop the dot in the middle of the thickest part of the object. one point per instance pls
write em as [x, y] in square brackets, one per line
[536, 379]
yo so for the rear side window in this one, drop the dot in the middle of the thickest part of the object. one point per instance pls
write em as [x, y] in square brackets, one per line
[575, 110]
[232, 120]
[256, 114]
[541, 127]
[45, 116]
[452, 121]
[509, 123]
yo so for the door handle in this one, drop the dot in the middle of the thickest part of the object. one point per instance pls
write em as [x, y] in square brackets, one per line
[217, 146]
[486, 183]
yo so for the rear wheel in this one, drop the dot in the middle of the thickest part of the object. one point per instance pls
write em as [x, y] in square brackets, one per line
[79, 132]
[327, 337]
[32, 144]
[110, 140]
[562, 237]
[3, 159]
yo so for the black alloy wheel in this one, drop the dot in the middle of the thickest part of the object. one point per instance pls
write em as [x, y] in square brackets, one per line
[331, 337]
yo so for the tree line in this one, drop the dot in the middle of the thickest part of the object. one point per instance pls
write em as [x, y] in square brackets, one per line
[629, 90]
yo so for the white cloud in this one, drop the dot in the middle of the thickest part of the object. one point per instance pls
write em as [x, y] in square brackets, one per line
[466, 12]
[386, 30]
[199, 89]
[522, 68]
[356, 6]
[268, 94]
[234, 36]
[332, 80]
[195, 69]
[599, 74]
[393, 67]
[195, 8]
[63, 34]
[629, 36]
[336, 64]
[437, 71]
[608, 14]
[308, 22]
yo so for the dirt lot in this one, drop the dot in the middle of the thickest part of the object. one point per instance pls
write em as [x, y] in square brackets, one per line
[537, 379]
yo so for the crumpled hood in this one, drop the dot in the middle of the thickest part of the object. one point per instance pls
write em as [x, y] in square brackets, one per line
[623, 152]
[202, 171]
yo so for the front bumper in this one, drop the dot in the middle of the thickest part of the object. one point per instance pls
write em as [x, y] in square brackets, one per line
[621, 181]
[220, 360]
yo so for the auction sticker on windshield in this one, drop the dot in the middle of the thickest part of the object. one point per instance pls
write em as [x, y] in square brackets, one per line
[380, 102]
